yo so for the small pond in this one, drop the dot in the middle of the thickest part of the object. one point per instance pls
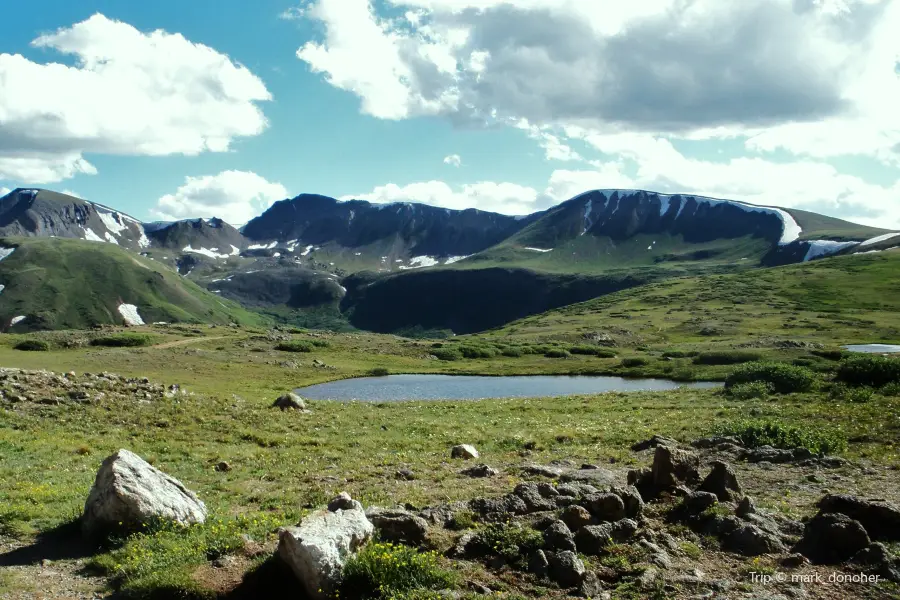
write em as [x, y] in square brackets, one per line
[466, 387]
[873, 348]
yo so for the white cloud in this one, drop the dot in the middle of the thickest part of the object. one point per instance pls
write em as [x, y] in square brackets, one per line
[506, 198]
[4, 191]
[454, 160]
[293, 13]
[128, 92]
[234, 196]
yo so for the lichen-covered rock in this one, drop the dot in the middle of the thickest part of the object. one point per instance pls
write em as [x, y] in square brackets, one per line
[399, 526]
[605, 506]
[533, 499]
[464, 451]
[673, 467]
[592, 539]
[566, 568]
[831, 538]
[880, 519]
[559, 537]
[318, 548]
[750, 540]
[576, 517]
[128, 492]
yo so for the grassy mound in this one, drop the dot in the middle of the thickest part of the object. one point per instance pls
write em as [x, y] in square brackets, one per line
[783, 378]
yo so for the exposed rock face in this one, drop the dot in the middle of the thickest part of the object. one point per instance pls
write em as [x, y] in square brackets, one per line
[592, 539]
[129, 492]
[399, 526]
[465, 451]
[318, 548]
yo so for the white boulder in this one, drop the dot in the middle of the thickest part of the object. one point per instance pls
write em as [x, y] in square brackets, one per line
[129, 492]
[465, 451]
[317, 549]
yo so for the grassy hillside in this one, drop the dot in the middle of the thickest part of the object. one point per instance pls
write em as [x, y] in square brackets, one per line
[837, 300]
[816, 226]
[62, 283]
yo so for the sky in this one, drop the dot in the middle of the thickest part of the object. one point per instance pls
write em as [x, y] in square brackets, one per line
[172, 109]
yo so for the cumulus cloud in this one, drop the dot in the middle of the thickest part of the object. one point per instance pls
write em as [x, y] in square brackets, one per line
[453, 160]
[128, 92]
[233, 196]
[506, 198]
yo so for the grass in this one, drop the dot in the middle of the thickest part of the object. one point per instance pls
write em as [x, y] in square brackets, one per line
[294, 346]
[123, 340]
[386, 571]
[756, 433]
[513, 542]
[32, 346]
[783, 378]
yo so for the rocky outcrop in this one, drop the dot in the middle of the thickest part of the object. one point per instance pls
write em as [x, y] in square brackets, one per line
[317, 549]
[128, 492]
[464, 451]
[289, 401]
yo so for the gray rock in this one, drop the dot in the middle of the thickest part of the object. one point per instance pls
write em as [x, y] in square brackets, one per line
[631, 498]
[592, 539]
[596, 477]
[399, 526]
[464, 451]
[576, 489]
[547, 490]
[405, 474]
[696, 502]
[532, 497]
[653, 442]
[538, 564]
[879, 560]
[318, 548]
[289, 401]
[566, 568]
[716, 441]
[343, 501]
[605, 506]
[793, 561]
[777, 456]
[128, 492]
[543, 471]
[673, 467]
[576, 517]
[480, 471]
[750, 540]
[831, 538]
[464, 546]
[880, 519]
[590, 586]
[745, 507]
[499, 508]
[722, 481]
[558, 536]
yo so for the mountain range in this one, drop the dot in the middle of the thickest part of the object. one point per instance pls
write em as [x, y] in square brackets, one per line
[400, 266]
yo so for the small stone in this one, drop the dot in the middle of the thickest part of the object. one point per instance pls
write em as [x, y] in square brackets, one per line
[576, 517]
[793, 561]
[343, 501]
[606, 506]
[464, 451]
[745, 507]
[480, 471]
[289, 401]
[405, 474]
[722, 481]
[223, 467]
[750, 540]
[696, 502]
[538, 564]
[590, 586]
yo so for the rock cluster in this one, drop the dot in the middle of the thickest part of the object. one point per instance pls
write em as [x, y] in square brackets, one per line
[45, 387]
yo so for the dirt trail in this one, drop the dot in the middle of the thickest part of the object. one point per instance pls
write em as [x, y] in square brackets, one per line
[189, 341]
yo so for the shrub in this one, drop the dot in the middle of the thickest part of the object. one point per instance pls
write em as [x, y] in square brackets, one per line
[754, 434]
[556, 353]
[751, 390]
[679, 353]
[319, 343]
[869, 370]
[726, 357]
[841, 391]
[32, 346]
[379, 372]
[294, 346]
[447, 353]
[477, 352]
[513, 352]
[891, 389]
[635, 361]
[587, 350]
[123, 340]
[803, 362]
[784, 378]
[830, 353]
[511, 541]
[388, 570]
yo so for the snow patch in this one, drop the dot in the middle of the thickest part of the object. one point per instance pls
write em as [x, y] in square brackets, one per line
[15, 320]
[664, 202]
[4, 252]
[2, 287]
[130, 314]
[111, 238]
[357, 254]
[91, 236]
[262, 246]
[588, 207]
[143, 241]
[235, 251]
[204, 252]
[306, 251]
[879, 238]
[278, 255]
[540, 249]
[819, 248]
[343, 289]
[111, 220]
[417, 262]
[452, 259]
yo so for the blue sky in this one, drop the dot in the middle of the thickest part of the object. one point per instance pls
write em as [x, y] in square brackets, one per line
[538, 99]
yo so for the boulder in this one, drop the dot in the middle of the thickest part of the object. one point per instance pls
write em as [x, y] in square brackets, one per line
[480, 471]
[566, 568]
[464, 451]
[722, 481]
[653, 442]
[289, 401]
[399, 526]
[590, 586]
[777, 455]
[879, 561]
[831, 538]
[606, 506]
[750, 540]
[696, 502]
[576, 517]
[673, 467]
[592, 539]
[595, 477]
[317, 549]
[745, 507]
[343, 501]
[880, 519]
[559, 537]
[538, 564]
[534, 501]
[631, 498]
[498, 508]
[128, 492]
